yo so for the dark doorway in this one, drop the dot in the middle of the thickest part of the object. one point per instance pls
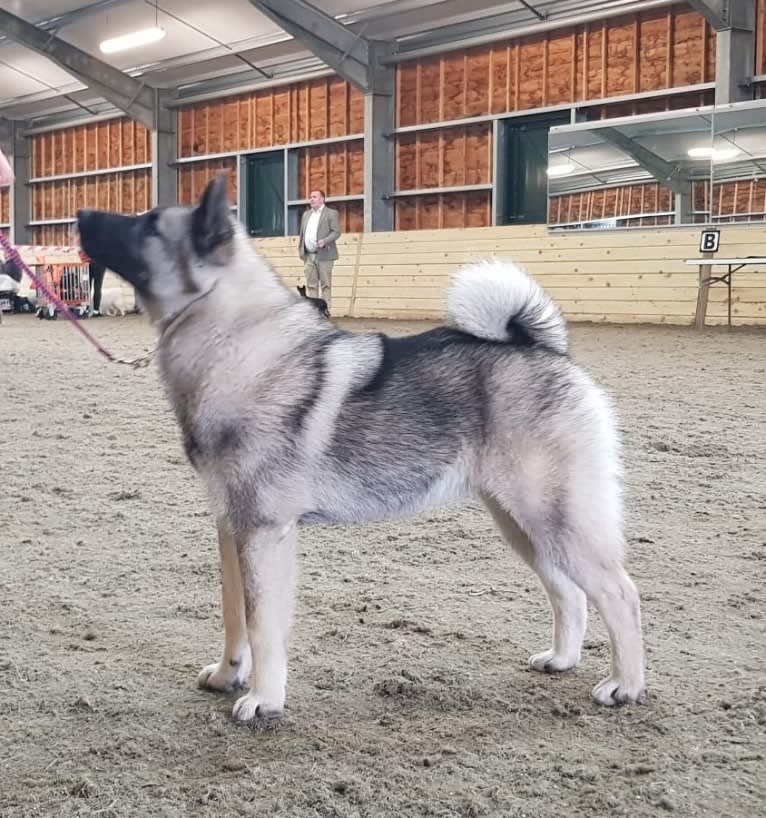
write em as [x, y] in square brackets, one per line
[265, 194]
[522, 181]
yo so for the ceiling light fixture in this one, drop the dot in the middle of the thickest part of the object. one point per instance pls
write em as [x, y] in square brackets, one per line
[716, 154]
[132, 40]
[561, 169]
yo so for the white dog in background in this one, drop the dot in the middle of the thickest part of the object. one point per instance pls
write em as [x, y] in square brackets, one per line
[113, 301]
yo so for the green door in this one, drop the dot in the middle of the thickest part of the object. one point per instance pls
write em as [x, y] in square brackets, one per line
[265, 194]
[523, 164]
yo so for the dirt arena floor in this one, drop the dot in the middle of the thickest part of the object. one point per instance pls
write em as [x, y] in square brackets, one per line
[409, 693]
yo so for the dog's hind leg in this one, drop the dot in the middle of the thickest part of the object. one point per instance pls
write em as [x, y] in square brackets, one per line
[585, 545]
[267, 566]
[568, 601]
[608, 586]
[233, 670]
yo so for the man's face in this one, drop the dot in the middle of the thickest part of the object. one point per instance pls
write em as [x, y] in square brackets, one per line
[316, 199]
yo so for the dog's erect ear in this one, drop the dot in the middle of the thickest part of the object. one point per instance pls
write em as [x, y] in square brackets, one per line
[211, 223]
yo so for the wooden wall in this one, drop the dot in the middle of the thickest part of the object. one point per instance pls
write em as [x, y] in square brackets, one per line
[338, 170]
[448, 157]
[654, 51]
[469, 209]
[5, 206]
[760, 38]
[651, 204]
[615, 276]
[460, 155]
[102, 146]
[645, 205]
[192, 179]
[319, 109]
[651, 51]
[305, 111]
[744, 200]
[113, 143]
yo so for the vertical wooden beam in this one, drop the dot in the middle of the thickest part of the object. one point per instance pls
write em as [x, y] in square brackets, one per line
[585, 59]
[573, 68]
[670, 17]
[491, 81]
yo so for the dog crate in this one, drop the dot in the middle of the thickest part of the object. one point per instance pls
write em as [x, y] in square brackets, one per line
[70, 282]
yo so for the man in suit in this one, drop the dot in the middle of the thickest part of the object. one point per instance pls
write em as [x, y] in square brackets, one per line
[320, 229]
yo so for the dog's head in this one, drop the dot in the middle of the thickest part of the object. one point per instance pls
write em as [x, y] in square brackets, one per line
[171, 255]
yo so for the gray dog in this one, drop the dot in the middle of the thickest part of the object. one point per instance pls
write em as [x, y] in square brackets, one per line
[290, 419]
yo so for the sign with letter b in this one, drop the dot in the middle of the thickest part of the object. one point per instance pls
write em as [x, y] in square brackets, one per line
[709, 241]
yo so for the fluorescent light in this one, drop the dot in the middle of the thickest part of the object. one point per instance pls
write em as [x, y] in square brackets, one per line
[561, 169]
[132, 40]
[716, 154]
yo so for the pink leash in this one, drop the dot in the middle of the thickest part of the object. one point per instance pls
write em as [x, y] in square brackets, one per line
[12, 254]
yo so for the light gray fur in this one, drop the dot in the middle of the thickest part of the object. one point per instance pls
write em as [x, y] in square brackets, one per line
[289, 419]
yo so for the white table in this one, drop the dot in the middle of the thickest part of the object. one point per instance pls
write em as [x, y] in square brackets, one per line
[707, 280]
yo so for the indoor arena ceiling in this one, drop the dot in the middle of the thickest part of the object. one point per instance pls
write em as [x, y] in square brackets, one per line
[215, 47]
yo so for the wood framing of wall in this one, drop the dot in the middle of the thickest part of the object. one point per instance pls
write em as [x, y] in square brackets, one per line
[443, 175]
[645, 52]
[192, 179]
[104, 164]
[616, 276]
[338, 170]
[644, 205]
[760, 38]
[5, 209]
[651, 204]
[318, 110]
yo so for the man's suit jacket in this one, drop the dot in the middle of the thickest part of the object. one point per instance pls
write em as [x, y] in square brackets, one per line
[328, 229]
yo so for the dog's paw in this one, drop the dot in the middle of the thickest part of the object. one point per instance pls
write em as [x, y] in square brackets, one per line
[251, 707]
[550, 662]
[612, 692]
[224, 677]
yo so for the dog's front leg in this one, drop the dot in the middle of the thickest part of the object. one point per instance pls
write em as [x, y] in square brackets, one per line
[267, 567]
[234, 668]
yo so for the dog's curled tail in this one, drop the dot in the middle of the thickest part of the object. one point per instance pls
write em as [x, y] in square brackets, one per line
[499, 301]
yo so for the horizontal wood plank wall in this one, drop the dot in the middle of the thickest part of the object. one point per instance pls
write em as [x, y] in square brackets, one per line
[101, 146]
[616, 276]
[651, 51]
